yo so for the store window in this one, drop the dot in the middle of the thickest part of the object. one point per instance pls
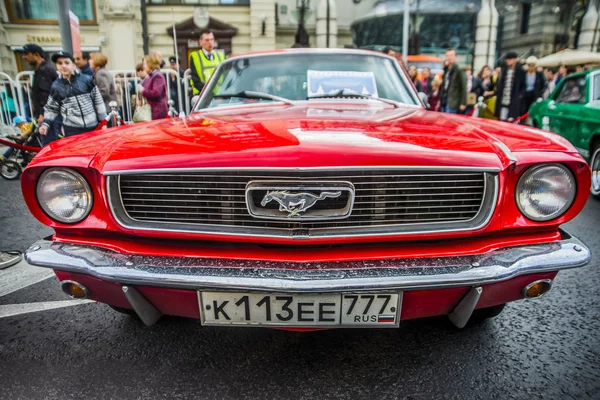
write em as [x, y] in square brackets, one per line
[596, 88]
[438, 31]
[200, 2]
[46, 10]
[525, 17]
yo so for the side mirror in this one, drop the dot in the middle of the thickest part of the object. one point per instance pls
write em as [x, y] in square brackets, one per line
[113, 105]
[171, 103]
[194, 100]
[424, 100]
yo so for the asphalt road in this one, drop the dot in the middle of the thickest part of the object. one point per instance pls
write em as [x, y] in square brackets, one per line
[542, 348]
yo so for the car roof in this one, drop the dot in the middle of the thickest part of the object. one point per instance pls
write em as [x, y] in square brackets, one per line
[312, 51]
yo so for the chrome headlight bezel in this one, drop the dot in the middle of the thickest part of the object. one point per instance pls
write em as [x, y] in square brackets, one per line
[537, 169]
[85, 186]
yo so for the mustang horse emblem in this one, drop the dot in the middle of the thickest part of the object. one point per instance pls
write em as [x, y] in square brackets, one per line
[295, 203]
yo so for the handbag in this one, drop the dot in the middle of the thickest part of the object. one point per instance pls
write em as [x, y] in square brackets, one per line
[143, 111]
[471, 99]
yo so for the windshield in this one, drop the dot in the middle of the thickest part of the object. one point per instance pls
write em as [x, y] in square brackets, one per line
[302, 76]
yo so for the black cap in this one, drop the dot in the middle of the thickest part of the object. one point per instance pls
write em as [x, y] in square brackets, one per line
[511, 55]
[33, 48]
[61, 54]
[172, 60]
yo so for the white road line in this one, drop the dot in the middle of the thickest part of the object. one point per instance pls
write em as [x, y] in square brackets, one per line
[11, 310]
[20, 276]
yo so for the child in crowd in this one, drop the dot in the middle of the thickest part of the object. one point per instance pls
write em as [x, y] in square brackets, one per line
[24, 128]
[434, 101]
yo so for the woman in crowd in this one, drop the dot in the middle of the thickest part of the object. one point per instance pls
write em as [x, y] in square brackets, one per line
[412, 73]
[75, 97]
[426, 81]
[488, 86]
[103, 79]
[153, 87]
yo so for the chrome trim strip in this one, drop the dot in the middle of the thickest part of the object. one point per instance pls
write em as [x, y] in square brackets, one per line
[297, 277]
[302, 169]
[509, 154]
[352, 231]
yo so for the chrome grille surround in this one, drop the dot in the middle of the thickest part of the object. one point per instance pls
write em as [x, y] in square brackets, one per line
[465, 202]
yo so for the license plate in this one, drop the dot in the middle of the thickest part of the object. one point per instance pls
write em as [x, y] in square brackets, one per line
[301, 310]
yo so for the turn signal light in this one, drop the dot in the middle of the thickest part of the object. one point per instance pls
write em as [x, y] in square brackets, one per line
[75, 290]
[537, 288]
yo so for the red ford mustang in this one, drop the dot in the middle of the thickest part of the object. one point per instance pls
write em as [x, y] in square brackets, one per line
[309, 189]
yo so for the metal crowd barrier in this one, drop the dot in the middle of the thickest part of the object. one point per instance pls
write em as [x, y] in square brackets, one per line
[9, 103]
[24, 82]
[15, 94]
[126, 84]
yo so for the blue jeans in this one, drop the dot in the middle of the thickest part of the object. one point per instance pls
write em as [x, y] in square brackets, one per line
[53, 131]
[449, 110]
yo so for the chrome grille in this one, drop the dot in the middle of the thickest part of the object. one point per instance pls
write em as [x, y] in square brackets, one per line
[387, 201]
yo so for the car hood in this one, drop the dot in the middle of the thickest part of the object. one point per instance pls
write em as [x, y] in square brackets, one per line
[310, 136]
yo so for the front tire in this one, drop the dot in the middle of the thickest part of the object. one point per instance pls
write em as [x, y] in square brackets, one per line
[10, 170]
[595, 167]
[482, 314]
[126, 311]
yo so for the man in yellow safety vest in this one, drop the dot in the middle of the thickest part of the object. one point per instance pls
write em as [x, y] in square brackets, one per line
[204, 61]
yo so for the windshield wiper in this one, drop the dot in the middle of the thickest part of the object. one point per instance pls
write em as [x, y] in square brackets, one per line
[342, 93]
[248, 94]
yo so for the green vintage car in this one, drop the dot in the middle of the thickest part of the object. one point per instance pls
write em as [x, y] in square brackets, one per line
[573, 111]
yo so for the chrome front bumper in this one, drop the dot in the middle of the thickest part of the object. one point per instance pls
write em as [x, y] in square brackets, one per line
[267, 276]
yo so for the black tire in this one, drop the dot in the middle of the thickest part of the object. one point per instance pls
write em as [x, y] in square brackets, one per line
[482, 314]
[126, 311]
[595, 167]
[10, 170]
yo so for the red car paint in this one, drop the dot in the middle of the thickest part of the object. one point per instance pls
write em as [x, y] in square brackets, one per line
[285, 136]
[318, 134]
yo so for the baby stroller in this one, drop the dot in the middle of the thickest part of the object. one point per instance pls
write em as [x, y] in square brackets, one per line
[23, 145]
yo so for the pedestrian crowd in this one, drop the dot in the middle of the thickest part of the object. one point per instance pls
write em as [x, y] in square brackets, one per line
[73, 95]
[508, 90]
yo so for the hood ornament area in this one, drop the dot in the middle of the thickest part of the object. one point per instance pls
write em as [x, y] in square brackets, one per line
[296, 203]
[302, 201]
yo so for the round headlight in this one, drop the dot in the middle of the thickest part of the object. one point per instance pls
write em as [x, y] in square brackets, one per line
[545, 192]
[64, 195]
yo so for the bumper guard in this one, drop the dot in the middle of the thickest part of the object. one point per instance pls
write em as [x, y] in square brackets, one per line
[268, 276]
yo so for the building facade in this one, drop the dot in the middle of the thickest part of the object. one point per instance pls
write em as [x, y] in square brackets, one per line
[544, 27]
[125, 30]
[118, 27]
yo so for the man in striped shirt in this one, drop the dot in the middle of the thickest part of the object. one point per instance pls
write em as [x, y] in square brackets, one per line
[75, 97]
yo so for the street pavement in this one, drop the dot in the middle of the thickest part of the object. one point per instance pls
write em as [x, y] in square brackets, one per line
[54, 348]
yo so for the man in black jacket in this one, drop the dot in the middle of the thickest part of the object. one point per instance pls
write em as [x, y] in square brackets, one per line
[453, 92]
[510, 89]
[43, 77]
